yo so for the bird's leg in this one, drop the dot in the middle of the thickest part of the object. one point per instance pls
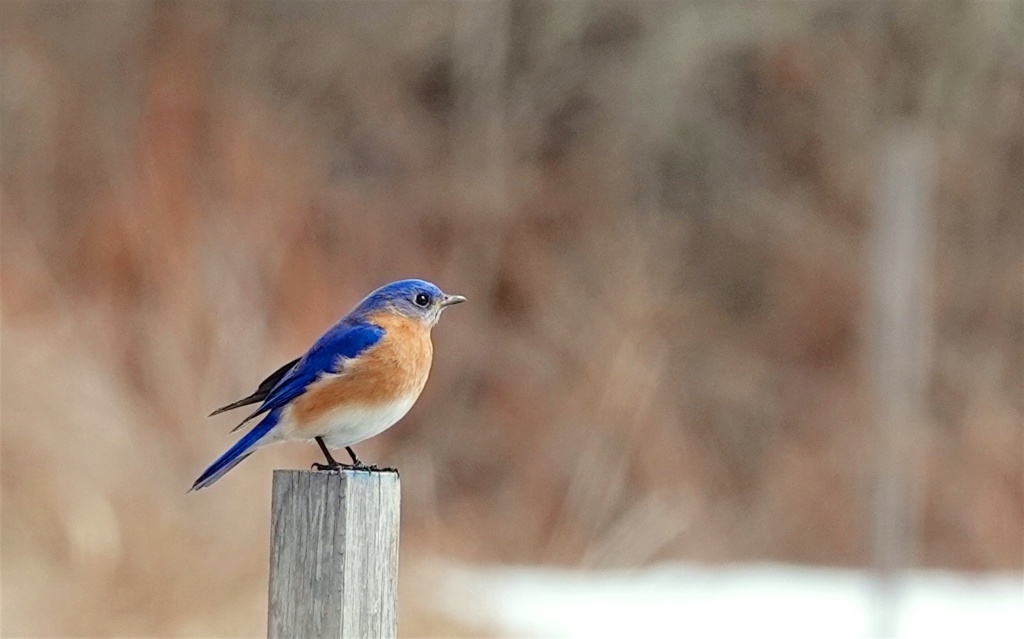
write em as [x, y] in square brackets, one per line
[352, 454]
[331, 463]
[355, 460]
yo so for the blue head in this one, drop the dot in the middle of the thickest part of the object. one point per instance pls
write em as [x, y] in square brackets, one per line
[415, 299]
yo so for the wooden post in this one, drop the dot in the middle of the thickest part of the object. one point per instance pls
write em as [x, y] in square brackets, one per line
[333, 554]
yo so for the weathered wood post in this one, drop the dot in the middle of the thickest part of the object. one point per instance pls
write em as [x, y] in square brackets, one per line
[333, 554]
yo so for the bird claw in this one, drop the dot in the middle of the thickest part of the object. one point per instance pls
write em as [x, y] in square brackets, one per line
[338, 466]
[329, 467]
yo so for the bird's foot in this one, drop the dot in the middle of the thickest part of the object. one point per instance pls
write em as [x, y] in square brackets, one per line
[376, 469]
[336, 466]
[361, 466]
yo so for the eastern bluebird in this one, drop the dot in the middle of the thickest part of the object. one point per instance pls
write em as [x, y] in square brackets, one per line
[356, 381]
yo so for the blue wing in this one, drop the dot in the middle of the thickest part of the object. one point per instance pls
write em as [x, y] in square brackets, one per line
[242, 449]
[343, 340]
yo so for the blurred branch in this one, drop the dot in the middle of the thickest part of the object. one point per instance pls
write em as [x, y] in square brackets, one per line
[481, 43]
[899, 352]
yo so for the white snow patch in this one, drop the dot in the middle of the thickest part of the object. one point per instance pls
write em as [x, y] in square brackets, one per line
[743, 600]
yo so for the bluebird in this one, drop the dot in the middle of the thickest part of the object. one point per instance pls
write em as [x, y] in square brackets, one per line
[356, 381]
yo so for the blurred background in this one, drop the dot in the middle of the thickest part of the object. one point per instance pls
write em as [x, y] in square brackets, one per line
[746, 285]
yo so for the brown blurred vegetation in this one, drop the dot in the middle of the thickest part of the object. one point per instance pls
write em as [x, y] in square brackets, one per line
[657, 211]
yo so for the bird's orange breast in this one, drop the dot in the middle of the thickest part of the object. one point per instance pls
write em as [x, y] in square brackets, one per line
[394, 368]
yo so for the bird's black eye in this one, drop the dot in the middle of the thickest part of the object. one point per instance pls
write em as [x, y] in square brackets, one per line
[422, 300]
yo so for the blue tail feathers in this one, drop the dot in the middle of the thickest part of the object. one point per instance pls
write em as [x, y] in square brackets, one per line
[242, 449]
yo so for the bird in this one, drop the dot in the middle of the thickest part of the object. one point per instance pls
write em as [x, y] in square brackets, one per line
[357, 379]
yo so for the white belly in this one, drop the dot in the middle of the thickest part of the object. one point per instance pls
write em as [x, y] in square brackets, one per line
[350, 425]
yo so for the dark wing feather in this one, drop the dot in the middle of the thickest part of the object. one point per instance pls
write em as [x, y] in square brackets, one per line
[264, 389]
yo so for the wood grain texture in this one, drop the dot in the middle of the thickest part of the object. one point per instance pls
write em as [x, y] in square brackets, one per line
[333, 554]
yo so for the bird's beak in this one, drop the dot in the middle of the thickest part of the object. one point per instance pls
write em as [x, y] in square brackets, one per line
[452, 299]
